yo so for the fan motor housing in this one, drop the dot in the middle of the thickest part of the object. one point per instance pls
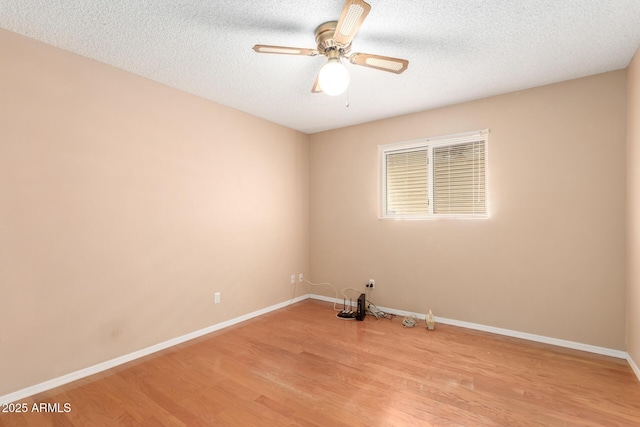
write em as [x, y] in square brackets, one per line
[325, 40]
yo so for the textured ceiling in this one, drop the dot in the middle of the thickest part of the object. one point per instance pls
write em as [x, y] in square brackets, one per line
[458, 50]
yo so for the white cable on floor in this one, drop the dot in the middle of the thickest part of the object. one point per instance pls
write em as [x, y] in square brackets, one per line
[410, 321]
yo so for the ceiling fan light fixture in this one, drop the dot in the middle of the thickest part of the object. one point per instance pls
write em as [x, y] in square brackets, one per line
[333, 39]
[333, 77]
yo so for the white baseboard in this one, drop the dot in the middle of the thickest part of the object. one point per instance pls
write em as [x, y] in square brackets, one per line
[82, 373]
[633, 365]
[506, 332]
[538, 338]
[327, 299]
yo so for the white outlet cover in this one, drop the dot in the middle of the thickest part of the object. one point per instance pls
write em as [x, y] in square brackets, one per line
[300, 278]
[293, 279]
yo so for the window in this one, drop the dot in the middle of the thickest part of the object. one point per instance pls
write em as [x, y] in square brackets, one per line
[435, 177]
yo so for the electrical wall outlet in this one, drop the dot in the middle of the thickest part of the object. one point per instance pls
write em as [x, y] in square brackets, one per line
[216, 297]
[293, 279]
[300, 278]
[371, 284]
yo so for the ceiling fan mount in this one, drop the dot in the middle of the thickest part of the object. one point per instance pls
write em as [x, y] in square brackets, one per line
[333, 40]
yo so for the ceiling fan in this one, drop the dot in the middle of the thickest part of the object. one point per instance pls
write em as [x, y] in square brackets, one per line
[334, 41]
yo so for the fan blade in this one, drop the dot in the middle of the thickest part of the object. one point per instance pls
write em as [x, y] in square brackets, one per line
[316, 86]
[384, 63]
[353, 14]
[263, 48]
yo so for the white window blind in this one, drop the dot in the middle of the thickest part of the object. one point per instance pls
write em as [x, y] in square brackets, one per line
[406, 188]
[459, 179]
[444, 176]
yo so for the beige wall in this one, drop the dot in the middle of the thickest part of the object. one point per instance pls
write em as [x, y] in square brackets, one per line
[550, 260]
[124, 205]
[633, 209]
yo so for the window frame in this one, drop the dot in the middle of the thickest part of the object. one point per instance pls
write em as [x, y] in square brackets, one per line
[429, 144]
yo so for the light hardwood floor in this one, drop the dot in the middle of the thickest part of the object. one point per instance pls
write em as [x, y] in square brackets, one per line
[301, 366]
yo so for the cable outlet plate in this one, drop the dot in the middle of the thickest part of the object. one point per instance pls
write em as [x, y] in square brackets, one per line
[371, 284]
[293, 279]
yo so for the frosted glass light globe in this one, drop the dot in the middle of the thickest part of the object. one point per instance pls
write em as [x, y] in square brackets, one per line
[333, 78]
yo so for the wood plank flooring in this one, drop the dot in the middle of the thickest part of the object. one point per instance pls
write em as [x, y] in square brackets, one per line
[301, 366]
